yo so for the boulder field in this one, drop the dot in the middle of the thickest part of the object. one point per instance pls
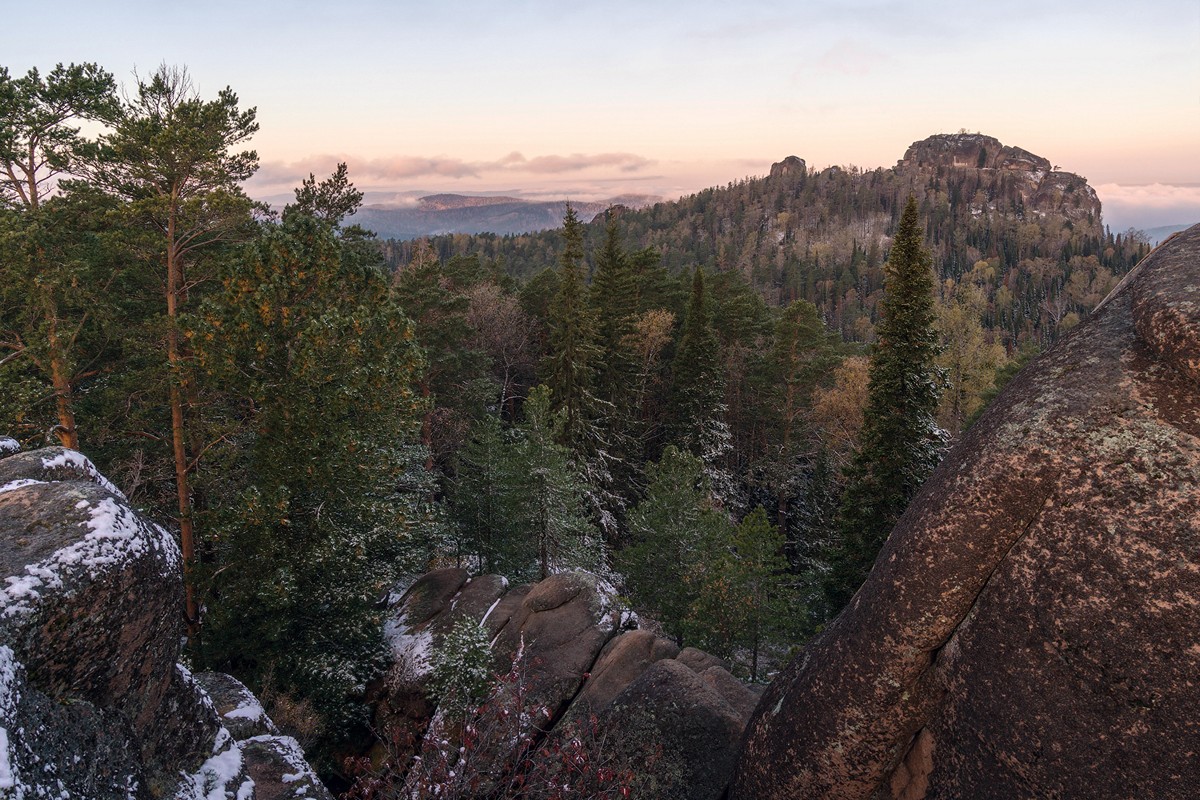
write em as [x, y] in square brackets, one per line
[94, 703]
[1030, 628]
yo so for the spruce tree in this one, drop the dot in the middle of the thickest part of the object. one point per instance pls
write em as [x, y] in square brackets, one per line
[696, 410]
[900, 442]
[697, 383]
[573, 354]
[553, 503]
[613, 300]
[676, 533]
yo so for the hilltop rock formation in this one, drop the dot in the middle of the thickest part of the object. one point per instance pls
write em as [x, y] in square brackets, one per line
[1040, 186]
[93, 702]
[1029, 629]
[679, 717]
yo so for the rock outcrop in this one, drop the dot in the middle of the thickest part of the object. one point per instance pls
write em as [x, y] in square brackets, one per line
[1029, 629]
[580, 660]
[1010, 169]
[93, 701]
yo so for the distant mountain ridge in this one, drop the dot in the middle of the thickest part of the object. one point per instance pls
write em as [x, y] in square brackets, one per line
[1157, 236]
[438, 214]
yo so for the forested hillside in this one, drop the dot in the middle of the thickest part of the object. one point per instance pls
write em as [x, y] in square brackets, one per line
[1024, 239]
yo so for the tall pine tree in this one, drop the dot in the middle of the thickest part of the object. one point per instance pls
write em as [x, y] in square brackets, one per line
[900, 443]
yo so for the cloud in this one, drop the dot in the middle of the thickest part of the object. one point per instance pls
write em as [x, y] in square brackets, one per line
[1149, 205]
[577, 162]
[399, 168]
[1153, 195]
[847, 57]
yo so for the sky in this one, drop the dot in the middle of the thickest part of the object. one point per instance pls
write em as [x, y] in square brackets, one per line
[606, 97]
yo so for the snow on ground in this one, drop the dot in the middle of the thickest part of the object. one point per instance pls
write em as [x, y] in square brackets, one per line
[9, 445]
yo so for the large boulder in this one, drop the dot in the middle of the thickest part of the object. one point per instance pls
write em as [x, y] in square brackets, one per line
[621, 661]
[679, 736]
[1029, 629]
[93, 702]
[558, 631]
[573, 682]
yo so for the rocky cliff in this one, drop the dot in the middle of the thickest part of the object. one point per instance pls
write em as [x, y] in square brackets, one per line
[94, 703]
[1029, 629]
[672, 718]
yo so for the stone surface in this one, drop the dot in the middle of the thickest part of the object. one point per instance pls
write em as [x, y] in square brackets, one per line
[1029, 629]
[1037, 182]
[562, 624]
[239, 710]
[621, 661]
[93, 702]
[698, 660]
[276, 765]
[739, 697]
[676, 732]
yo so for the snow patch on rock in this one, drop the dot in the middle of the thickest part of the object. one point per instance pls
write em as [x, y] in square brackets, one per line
[410, 651]
[71, 459]
[115, 536]
[17, 484]
[219, 778]
[10, 695]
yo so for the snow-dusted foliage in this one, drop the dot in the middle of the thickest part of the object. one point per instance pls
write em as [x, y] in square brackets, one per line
[461, 665]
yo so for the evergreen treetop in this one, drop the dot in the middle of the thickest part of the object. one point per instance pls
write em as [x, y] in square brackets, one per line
[900, 442]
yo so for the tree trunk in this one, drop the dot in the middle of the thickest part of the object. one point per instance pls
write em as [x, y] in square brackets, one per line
[187, 541]
[68, 435]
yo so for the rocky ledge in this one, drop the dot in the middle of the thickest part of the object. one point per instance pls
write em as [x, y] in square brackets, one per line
[94, 703]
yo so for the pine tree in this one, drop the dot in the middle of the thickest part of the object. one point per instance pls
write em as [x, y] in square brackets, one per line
[171, 156]
[900, 442]
[39, 144]
[308, 524]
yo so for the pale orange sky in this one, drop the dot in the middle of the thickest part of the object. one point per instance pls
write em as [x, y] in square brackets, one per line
[666, 98]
